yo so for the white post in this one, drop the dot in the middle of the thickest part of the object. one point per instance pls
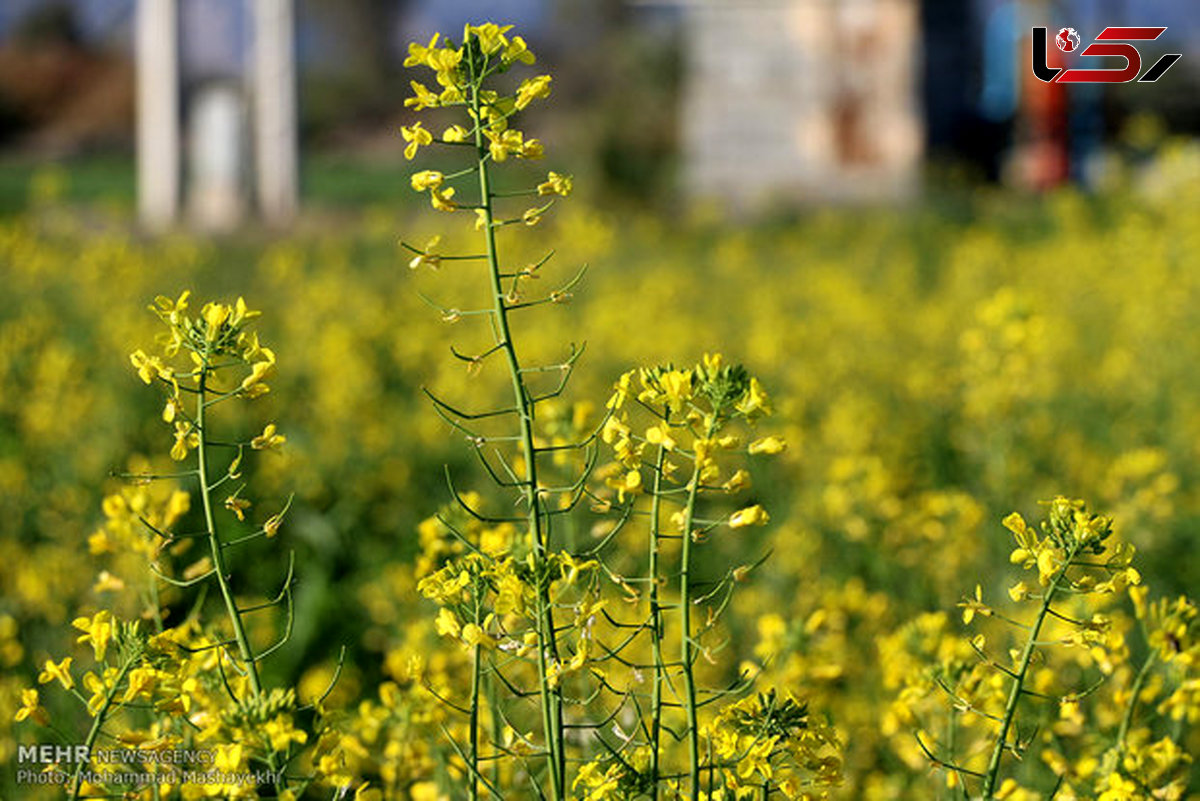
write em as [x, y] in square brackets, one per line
[157, 112]
[215, 132]
[276, 149]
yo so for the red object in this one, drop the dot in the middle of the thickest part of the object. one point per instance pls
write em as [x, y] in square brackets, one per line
[1043, 150]
[1130, 34]
[1133, 65]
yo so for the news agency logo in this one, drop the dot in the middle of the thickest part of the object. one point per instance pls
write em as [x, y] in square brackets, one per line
[1112, 41]
[1067, 40]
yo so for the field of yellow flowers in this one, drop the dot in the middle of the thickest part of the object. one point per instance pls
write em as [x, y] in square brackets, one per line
[928, 374]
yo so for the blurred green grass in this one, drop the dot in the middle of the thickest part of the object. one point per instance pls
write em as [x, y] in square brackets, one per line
[328, 181]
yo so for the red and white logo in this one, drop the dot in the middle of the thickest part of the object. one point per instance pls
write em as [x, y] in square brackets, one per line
[1067, 40]
[1112, 42]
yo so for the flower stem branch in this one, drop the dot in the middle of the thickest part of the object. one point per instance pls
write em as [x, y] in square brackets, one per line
[687, 645]
[992, 774]
[547, 648]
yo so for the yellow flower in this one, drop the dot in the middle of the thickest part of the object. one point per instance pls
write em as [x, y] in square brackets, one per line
[440, 199]
[271, 527]
[281, 733]
[630, 483]
[267, 439]
[427, 179]
[1048, 561]
[427, 257]
[238, 506]
[1025, 553]
[31, 709]
[755, 402]
[142, 681]
[491, 36]
[172, 310]
[185, 438]
[677, 384]
[505, 142]
[444, 61]
[531, 149]
[517, 50]
[973, 606]
[147, 366]
[252, 384]
[416, 136]
[423, 97]
[473, 635]
[425, 791]
[556, 184]
[532, 89]
[198, 568]
[215, 315]
[758, 760]
[366, 793]
[768, 445]
[661, 435]
[621, 392]
[570, 569]
[181, 702]
[750, 516]
[97, 630]
[455, 133]
[1019, 591]
[1138, 596]
[107, 582]
[1118, 788]
[447, 624]
[739, 481]
[418, 53]
[61, 672]
[510, 590]
[241, 313]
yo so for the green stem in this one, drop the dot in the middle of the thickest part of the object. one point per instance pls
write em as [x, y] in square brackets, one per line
[94, 732]
[475, 674]
[497, 724]
[951, 730]
[1010, 709]
[1134, 692]
[552, 720]
[687, 646]
[474, 790]
[218, 555]
[656, 623]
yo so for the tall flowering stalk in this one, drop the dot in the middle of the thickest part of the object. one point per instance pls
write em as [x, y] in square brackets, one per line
[1074, 558]
[676, 435]
[224, 362]
[194, 683]
[227, 363]
[523, 608]
[218, 342]
[466, 72]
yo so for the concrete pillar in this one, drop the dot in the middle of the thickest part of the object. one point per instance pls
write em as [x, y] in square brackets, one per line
[157, 47]
[215, 135]
[275, 137]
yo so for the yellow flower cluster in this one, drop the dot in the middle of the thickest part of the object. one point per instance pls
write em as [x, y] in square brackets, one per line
[461, 71]
[772, 738]
[927, 374]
